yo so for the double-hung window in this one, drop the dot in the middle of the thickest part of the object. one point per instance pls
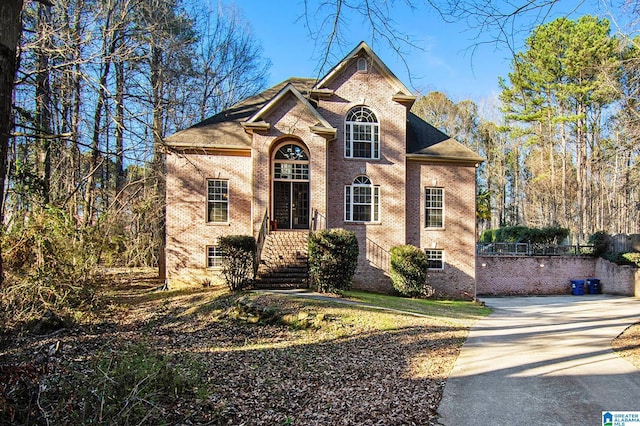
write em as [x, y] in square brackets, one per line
[434, 208]
[362, 201]
[217, 200]
[361, 134]
[435, 258]
[214, 257]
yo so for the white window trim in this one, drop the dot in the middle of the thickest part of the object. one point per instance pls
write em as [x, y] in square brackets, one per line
[375, 129]
[426, 226]
[227, 201]
[218, 256]
[441, 251]
[375, 201]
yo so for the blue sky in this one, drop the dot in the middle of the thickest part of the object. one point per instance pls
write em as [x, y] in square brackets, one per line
[446, 62]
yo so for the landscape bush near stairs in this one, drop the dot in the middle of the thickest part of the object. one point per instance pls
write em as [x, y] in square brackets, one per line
[237, 265]
[333, 258]
[409, 266]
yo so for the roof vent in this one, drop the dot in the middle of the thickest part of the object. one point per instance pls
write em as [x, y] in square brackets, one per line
[362, 65]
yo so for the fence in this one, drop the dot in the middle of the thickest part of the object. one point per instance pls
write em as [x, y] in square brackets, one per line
[623, 243]
[532, 249]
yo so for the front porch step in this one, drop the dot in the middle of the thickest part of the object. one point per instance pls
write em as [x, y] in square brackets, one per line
[284, 260]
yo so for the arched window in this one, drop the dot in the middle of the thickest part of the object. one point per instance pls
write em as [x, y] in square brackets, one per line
[291, 152]
[361, 134]
[291, 163]
[362, 201]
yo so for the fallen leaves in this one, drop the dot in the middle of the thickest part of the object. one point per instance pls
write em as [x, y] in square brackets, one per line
[299, 362]
[627, 344]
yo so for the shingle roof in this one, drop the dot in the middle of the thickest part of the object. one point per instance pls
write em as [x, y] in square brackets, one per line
[427, 142]
[224, 130]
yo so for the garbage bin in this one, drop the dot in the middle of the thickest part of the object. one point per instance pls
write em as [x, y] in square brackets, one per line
[577, 287]
[593, 285]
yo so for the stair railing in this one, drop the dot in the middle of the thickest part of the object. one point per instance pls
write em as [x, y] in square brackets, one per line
[262, 236]
[378, 256]
[318, 221]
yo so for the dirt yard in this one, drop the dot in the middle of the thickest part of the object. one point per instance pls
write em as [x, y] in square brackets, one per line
[203, 356]
[206, 357]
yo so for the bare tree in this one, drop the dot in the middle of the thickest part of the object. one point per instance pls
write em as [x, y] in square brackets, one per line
[10, 24]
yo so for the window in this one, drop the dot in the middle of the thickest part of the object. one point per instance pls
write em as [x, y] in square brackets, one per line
[362, 201]
[435, 258]
[217, 200]
[361, 134]
[434, 208]
[291, 163]
[214, 257]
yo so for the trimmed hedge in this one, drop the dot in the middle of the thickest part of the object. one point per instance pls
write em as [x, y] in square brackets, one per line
[333, 258]
[524, 234]
[409, 266]
[237, 264]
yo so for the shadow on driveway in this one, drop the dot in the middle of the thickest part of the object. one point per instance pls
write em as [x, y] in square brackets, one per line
[544, 361]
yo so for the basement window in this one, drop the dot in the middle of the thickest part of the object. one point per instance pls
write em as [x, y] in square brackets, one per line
[214, 257]
[435, 259]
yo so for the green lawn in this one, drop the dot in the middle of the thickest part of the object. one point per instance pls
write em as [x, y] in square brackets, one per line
[455, 309]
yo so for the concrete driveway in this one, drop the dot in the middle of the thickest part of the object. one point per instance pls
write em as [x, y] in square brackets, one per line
[544, 361]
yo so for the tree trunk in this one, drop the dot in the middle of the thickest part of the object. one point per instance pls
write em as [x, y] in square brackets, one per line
[109, 45]
[158, 157]
[119, 126]
[43, 100]
[9, 36]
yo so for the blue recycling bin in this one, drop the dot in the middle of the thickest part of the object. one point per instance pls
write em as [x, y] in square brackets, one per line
[577, 287]
[593, 286]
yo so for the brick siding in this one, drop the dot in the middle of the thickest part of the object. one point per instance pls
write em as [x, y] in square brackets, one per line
[401, 186]
[188, 233]
[618, 279]
[457, 238]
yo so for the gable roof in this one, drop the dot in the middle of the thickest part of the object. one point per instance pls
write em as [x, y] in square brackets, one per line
[225, 130]
[402, 95]
[321, 127]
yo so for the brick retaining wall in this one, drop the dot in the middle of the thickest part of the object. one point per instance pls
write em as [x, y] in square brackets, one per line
[546, 275]
[617, 279]
[530, 275]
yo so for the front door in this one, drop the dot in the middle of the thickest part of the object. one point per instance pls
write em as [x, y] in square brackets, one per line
[282, 204]
[300, 205]
[291, 204]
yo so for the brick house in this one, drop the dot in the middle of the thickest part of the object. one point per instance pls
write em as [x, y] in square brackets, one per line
[340, 152]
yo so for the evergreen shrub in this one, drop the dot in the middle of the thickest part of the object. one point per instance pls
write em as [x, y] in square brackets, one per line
[600, 241]
[524, 234]
[237, 264]
[333, 258]
[409, 266]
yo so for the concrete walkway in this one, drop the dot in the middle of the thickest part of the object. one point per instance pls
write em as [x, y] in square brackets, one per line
[544, 361]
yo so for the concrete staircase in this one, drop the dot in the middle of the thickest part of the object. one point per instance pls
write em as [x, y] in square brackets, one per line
[284, 261]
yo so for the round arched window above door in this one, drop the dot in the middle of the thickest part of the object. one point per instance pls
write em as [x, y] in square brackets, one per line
[291, 152]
